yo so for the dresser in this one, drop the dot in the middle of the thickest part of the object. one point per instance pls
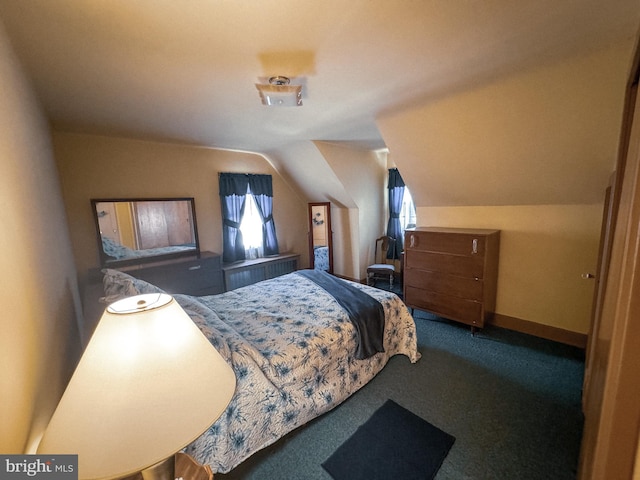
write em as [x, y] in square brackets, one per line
[452, 272]
[197, 275]
[194, 275]
[248, 272]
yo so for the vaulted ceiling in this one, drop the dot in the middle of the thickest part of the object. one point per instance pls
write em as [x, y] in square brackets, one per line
[184, 71]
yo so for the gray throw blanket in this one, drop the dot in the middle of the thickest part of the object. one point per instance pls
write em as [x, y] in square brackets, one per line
[365, 312]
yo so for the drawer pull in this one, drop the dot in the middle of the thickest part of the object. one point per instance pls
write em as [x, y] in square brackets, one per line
[195, 267]
[474, 246]
[412, 244]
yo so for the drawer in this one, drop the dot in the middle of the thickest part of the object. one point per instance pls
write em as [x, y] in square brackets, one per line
[437, 282]
[192, 277]
[463, 266]
[455, 244]
[200, 291]
[458, 309]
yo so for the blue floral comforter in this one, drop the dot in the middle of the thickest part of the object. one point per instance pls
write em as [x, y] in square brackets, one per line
[292, 348]
[321, 258]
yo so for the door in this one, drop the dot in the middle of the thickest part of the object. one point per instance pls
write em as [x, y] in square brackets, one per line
[604, 257]
[108, 221]
[611, 406]
[151, 225]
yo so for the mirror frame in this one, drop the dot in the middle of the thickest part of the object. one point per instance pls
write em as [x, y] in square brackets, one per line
[107, 261]
[329, 233]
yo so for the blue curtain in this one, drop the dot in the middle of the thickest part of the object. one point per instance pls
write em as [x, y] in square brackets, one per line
[233, 191]
[394, 229]
[261, 188]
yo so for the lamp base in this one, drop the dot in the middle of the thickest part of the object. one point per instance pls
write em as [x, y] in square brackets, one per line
[164, 470]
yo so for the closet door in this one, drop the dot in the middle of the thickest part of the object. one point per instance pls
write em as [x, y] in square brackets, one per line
[611, 407]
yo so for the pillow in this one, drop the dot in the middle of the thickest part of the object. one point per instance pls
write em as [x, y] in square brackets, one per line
[119, 285]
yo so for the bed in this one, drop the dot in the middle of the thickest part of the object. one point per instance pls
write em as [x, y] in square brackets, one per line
[321, 258]
[116, 251]
[294, 350]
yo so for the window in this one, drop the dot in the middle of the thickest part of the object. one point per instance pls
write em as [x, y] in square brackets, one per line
[251, 228]
[408, 211]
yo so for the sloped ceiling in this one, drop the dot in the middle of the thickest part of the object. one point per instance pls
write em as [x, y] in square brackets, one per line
[306, 169]
[545, 137]
[185, 71]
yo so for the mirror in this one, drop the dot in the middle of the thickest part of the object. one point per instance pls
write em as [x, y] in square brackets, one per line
[320, 237]
[143, 230]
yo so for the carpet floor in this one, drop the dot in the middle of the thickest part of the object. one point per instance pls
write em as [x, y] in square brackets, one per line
[512, 401]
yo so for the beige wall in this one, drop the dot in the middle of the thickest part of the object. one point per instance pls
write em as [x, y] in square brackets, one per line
[38, 290]
[544, 250]
[530, 154]
[363, 174]
[109, 167]
[354, 181]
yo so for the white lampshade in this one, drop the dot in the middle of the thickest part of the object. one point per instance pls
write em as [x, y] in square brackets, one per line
[148, 384]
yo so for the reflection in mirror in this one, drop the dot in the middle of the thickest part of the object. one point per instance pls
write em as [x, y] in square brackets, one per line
[137, 230]
[320, 237]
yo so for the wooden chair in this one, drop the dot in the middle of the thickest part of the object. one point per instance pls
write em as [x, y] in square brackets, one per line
[380, 266]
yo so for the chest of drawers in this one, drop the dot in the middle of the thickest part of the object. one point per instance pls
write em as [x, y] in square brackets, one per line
[248, 272]
[191, 276]
[452, 272]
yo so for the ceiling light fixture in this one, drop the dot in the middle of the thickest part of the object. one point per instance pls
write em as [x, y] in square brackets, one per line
[279, 93]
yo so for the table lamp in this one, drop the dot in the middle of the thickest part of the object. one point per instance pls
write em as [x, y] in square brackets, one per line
[147, 385]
